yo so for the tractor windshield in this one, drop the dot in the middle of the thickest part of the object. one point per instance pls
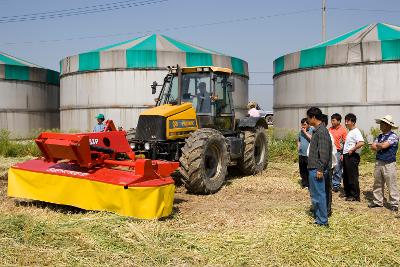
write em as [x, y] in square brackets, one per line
[196, 88]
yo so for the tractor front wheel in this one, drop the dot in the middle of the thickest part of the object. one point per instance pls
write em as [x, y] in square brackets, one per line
[204, 161]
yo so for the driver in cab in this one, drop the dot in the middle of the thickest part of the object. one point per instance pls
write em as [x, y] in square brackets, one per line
[203, 99]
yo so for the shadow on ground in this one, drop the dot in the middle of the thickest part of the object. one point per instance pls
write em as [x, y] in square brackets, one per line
[54, 207]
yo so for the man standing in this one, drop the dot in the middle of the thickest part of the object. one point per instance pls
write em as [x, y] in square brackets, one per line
[339, 134]
[351, 158]
[328, 182]
[303, 142]
[319, 163]
[385, 145]
[99, 126]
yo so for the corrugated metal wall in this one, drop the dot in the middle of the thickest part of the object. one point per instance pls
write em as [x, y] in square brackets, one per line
[26, 106]
[369, 90]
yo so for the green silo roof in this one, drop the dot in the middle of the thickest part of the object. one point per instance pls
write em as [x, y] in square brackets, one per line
[384, 35]
[145, 52]
[18, 69]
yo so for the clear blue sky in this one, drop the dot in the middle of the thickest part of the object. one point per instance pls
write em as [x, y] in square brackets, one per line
[258, 41]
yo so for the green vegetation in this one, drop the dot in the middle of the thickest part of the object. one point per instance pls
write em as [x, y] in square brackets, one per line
[282, 149]
[9, 148]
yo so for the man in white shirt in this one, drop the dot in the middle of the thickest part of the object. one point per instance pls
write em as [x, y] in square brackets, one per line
[351, 158]
[253, 112]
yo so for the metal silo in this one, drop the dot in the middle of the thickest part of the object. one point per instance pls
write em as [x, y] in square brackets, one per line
[357, 72]
[115, 80]
[29, 97]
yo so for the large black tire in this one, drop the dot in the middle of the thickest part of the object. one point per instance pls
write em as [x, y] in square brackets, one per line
[255, 155]
[204, 161]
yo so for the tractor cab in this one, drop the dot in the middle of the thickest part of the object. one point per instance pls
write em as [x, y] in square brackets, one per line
[208, 89]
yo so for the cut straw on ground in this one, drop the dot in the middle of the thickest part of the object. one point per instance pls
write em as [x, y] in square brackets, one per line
[253, 221]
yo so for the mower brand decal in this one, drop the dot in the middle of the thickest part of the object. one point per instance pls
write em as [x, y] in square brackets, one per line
[93, 141]
[182, 124]
[61, 171]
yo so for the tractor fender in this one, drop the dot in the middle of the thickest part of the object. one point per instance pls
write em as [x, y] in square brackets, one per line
[252, 122]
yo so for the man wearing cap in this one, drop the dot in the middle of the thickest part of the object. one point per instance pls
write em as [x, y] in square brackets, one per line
[99, 126]
[385, 145]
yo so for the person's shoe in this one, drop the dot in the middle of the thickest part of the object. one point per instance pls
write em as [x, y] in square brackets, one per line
[336, 189]
[324, 225]
[373, 205]
[394, 209]
[350, 199]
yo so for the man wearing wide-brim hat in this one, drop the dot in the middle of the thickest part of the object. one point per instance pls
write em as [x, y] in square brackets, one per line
[385, 145]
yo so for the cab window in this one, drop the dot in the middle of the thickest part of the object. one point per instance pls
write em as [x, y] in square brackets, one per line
[196, 88]
[223, 103]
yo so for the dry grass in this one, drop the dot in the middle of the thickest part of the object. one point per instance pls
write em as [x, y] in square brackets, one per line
[256, 220]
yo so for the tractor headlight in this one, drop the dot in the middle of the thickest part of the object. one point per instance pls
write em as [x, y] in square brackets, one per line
[147, 146]
[133, 146]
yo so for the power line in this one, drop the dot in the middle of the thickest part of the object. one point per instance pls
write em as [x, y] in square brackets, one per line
[78, 11]
[172, 28]
[364, 10]
[69, 9]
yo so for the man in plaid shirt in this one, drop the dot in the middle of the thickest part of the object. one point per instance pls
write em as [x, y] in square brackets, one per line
[319, 164]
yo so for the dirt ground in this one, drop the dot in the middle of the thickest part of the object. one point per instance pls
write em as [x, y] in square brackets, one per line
[252, 221]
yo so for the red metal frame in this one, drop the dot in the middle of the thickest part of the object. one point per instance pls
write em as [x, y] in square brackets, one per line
[98, 154]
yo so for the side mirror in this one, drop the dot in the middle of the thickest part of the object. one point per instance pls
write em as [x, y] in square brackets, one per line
[230, 85]
[154, 87]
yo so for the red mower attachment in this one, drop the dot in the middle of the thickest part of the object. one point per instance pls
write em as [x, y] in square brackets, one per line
[95, 171]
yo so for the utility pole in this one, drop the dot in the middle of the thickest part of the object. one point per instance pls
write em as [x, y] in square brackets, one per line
[323, 20]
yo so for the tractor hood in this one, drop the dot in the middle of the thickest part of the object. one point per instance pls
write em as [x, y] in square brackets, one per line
[166, 122]
[167, 110]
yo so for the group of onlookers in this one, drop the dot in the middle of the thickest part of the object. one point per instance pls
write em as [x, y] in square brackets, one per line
[328, 156]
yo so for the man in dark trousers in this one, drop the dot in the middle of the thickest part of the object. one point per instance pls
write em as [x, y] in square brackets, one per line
[328, 182]
[351, 158]
[319, 164]
[303, 141]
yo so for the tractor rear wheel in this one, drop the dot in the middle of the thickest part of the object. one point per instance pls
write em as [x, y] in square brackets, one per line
[204, 161]
[255, 155]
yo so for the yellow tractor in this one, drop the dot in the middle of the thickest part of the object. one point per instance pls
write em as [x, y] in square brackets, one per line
[194, 123]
